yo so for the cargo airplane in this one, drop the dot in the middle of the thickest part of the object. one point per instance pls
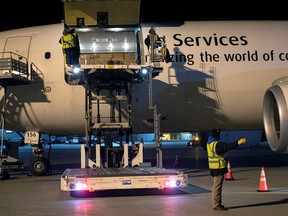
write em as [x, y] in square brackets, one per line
[221, 74]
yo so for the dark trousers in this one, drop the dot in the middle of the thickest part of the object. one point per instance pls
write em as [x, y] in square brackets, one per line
[72, 56]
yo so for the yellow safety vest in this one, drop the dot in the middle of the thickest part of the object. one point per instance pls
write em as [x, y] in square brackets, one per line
[154, 38]
[69, 41]
[215, 161]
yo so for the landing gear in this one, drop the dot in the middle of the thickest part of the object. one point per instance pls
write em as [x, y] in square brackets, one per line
[39, 166]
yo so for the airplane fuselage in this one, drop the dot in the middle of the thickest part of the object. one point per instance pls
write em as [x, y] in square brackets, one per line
[217, 78]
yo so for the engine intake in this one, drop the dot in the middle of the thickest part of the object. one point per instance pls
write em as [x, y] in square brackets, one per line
[275, 115]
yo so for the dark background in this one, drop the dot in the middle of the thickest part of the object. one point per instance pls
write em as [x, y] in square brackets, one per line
[24, 13]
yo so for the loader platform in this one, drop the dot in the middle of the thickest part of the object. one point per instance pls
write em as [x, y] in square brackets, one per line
[93, 179]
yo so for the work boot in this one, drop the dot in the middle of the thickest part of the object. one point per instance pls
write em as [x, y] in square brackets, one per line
[220, 208]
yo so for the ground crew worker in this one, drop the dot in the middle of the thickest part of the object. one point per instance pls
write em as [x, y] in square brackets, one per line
[165, 52]
[70, 46]
[218, 165]
[153, 38]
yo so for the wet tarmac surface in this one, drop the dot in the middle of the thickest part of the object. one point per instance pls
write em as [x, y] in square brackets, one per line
[24, 194]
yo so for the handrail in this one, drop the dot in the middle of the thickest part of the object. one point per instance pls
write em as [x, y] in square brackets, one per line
[13, 63]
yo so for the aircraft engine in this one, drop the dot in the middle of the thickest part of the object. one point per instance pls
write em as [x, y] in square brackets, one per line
[275, 115]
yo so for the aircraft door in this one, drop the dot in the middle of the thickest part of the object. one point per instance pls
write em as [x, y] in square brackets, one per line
[19, 45]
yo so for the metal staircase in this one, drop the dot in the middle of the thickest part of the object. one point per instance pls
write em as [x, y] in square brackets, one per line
[13, 71]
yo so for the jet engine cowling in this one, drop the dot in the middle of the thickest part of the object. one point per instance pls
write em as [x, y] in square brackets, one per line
[275, 115]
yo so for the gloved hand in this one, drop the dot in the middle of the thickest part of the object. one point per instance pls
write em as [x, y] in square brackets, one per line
[241, 141]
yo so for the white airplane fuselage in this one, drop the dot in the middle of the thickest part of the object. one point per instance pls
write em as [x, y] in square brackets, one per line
[218, 77]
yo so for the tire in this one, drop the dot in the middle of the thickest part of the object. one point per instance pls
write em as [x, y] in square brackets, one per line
[39, 166]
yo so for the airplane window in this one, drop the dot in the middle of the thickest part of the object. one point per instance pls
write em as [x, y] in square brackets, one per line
[47, 55]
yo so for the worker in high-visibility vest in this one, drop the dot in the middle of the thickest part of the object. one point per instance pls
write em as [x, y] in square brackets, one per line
[153, 38]
[70, 46]
[218, 165]
[165, 52]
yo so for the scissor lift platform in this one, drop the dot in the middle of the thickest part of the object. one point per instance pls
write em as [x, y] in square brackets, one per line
[93, 179]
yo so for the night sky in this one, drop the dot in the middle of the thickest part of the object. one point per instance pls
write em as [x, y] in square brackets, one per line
[17, 14]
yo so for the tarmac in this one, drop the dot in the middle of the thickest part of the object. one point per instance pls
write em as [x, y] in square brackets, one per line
[25, 194]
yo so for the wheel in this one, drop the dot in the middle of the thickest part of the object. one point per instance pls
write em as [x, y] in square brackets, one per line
[39, 166]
